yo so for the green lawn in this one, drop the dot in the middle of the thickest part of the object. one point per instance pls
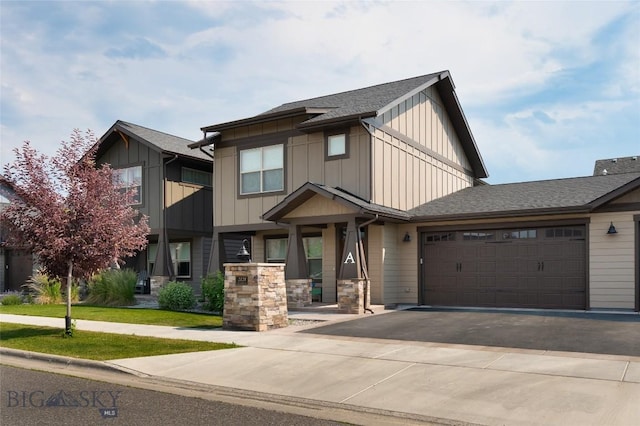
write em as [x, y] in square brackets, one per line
[126, 315]
[96, 346]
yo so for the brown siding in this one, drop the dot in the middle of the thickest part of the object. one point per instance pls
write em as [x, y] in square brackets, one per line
[304, 163]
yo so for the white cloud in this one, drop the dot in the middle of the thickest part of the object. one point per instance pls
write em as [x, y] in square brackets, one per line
[221, 61]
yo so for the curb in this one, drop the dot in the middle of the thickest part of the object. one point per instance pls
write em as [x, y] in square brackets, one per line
[67, 361]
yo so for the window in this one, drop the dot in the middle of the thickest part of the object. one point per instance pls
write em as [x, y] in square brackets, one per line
[472, 236]
[565, 233]
[520, 234]
[181, 259]
[197, 177]
[313, 251]
[337, 145]
[130, 179]
[262, 169]
[448, 236]
[152, 250]
[276, 252]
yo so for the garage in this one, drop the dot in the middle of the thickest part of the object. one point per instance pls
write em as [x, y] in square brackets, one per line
[516, 267]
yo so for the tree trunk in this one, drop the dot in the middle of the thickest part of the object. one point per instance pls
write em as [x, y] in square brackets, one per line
[67, 319]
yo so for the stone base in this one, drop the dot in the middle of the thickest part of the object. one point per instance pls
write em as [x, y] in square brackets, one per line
[157, 282]
[299, 293]
[351, 295]
[255, 297]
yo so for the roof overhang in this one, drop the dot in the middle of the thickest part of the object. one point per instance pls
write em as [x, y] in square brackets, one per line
[263, 118]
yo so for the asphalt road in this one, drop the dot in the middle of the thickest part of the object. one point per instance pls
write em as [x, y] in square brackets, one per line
[614, 334]
[42, 398]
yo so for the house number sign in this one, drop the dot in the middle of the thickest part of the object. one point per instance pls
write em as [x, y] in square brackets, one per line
[242, 280]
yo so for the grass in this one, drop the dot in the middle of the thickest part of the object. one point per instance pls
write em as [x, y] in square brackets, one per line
[96, 346]
[126, 315]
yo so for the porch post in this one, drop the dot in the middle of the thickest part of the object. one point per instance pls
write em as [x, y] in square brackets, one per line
[350, 260]
[297, 278]
[214, 256]
[296, 263]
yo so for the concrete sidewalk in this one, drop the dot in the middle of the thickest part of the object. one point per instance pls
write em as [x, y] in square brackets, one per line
[476, 384]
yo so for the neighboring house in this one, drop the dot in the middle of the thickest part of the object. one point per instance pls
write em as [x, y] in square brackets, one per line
[382, 184]
[173, 188]
[615, 166]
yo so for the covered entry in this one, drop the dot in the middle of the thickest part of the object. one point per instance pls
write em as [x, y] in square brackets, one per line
[528, 267]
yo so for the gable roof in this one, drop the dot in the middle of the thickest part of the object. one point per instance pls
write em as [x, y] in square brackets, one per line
[159, 141]
[368, 102]
[581, 194]
[308, 190]
[617, 165]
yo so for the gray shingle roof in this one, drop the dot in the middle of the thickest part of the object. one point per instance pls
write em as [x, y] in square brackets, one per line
[617, 165]
[356, 102]
[163, 141]
[579, 194]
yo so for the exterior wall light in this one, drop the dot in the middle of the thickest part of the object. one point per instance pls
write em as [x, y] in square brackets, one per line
[407, 238]
[243, 253]
[612, 230]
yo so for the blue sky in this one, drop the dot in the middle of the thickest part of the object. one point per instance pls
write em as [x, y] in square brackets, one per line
[547, 87]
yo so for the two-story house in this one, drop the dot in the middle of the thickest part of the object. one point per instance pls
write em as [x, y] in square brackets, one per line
[382, 184]
[173, 187]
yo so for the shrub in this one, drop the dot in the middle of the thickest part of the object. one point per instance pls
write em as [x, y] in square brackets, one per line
[45, 290]
[176, 296]
[12, 299]
[213, 292]
[112, 287]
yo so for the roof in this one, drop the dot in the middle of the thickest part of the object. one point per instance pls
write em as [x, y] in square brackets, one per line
[161, 141]
[373, 101]
[617, 165]
[581, 194]
[308, 190]
[361, 102]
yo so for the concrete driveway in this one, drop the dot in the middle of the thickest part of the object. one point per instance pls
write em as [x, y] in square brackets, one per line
[615, 334]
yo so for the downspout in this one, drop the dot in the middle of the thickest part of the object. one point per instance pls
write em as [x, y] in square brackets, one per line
[363, 265]
[366, 127]
[164, 225]
[214, 240]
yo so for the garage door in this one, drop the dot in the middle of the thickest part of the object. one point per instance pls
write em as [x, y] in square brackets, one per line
[519, 268]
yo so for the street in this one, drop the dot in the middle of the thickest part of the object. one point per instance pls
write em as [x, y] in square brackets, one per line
[32, 397]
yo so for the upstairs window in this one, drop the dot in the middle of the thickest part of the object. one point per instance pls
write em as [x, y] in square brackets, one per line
[197, 177]
[262, 170]
[337, 145]
[130, 179]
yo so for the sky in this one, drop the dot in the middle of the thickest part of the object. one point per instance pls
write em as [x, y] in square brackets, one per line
[547, 87]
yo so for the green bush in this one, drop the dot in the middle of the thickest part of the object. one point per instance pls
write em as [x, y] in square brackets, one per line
[112, 287]
[12, 299]
[213, 292]
[44, 289]
[176, 296]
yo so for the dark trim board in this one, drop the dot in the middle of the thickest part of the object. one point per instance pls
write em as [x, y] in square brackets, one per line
[636, 220]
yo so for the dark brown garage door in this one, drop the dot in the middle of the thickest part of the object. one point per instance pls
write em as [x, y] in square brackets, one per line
[519, 268]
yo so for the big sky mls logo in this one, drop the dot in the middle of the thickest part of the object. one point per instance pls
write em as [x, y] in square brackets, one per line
[105, 401]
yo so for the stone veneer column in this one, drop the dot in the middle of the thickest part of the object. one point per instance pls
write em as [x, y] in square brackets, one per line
[299, 292]
[255, 297]
[351, 294]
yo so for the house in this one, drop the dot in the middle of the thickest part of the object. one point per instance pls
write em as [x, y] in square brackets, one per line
[17, 264]
[379, 189]
[173, 187]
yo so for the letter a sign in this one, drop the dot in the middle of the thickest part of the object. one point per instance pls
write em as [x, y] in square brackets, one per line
[350, 258]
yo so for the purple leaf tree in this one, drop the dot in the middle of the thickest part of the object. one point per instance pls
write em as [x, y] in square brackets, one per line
[70, 213]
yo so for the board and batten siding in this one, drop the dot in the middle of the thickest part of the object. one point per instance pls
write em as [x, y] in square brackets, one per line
[416, 154]
[188, 207]
[304, 163]
[121, 155]
[612, 261]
